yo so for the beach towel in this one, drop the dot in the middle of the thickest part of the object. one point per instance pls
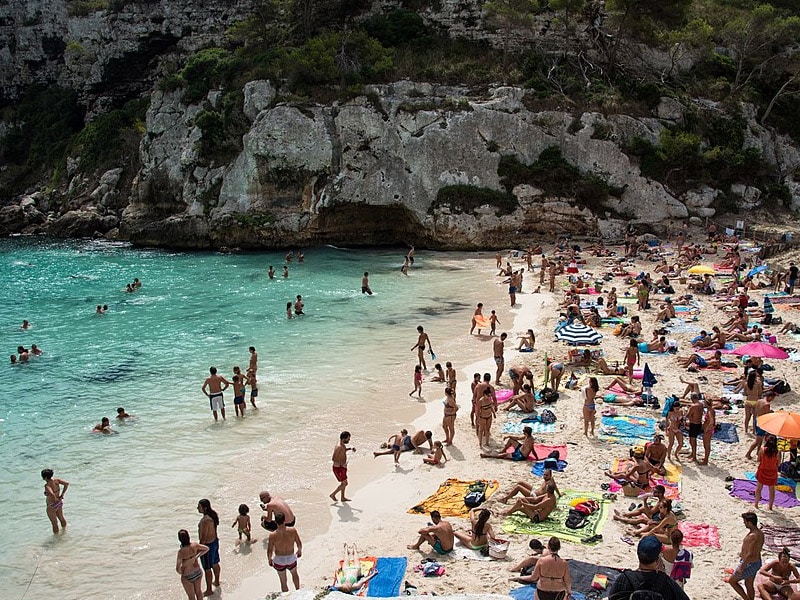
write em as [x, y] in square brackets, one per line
[671, 483]
[582, 573]
[555, 524]
[746, 490]
[538, 467]
[619, 391]
[627, 429]
[544, 450]
[725, 432]
[784, 483]
[391, 572]
[449, 498]
[696, 535]
[516, 427]
[777, 538]
[464, 553]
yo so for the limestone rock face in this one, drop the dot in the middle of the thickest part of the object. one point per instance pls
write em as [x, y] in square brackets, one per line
[369, 170]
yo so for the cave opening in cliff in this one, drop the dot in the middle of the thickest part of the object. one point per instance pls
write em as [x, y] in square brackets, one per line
[359, 224]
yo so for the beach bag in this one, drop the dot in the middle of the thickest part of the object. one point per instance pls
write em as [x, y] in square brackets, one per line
[587, 507]
[618, 329]
[782, 387]
[576, 519]
[549, 395]
[433, 569]
[600, 581]
[551, 463]
[476, 495]
[547, 416]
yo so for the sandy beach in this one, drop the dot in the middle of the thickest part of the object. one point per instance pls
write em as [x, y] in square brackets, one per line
[378, 523]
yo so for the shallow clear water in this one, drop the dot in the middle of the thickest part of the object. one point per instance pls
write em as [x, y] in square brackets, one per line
[130, 492]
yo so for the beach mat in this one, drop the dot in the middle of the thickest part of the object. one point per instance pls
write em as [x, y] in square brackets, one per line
[777, 538]
[671, 483]
[554, 525]
[449, 498]
[726, 433]
[784, 483]
[696, 535]
[538, 467]
[745, 489]
[627, 429]
[391, 572]
[516, 427]
[581, 574]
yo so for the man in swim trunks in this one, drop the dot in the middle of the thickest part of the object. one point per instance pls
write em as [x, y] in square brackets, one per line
[517, 373]
[420, 346]
[498, 346]
[762, 407]
[656, 453]
[339, 459]
[695, 418]
[485, 411]
[273, 505]
[396, 444]
[750, 555]
[439, 534]
[213, 388]
[523, 446]
[365, 289]
[281, 553]
[420, 438]
[298, 305]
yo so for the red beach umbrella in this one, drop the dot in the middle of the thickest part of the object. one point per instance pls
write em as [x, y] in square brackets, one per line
[760, 349]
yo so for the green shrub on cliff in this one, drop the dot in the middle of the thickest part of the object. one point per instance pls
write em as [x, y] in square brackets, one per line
[466, 198]
[100, 142]
[206, 70]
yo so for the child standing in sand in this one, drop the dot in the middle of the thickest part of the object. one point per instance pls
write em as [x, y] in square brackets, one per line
[417, 382]
[494, 321]
[632, 358]
[243, 523]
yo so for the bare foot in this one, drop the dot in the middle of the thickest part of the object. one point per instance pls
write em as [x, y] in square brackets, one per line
[412, 547]
[208, 593]
[345, 499]
[333, 497]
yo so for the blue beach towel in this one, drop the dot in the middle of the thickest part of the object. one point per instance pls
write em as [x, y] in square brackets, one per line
[726, 433]
[627, 430]
[516, 428]
[538, 467]
[391, 572]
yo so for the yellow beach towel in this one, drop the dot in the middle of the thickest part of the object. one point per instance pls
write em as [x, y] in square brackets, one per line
[449, 498]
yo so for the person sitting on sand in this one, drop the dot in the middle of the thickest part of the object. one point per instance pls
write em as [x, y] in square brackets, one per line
[645, 511]
[633, 329]
[583, 359]
[661, 526]
[536, 510]
[777, 575]
[435, 457]
[636, 472]
[439, 377]
[438, 533]
[656, 453]
[699, 362]
[526, 401]
[527, 491]
[523, 447]
[527, 341]
[667, 311]
[526, 565]
[477, 537]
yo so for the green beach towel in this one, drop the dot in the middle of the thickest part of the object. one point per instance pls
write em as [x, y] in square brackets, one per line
[555, 524]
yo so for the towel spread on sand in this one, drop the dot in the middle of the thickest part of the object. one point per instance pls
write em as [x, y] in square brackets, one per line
[627, 429]
[725, 432]
[555, 524]
[777, 538]
[746, 490]
[538, 467]
[515, 428]
[391, 572]
[449, 498]
[696, 535]
[581, 575]
[544, 450]
[784, 483]
[671, 483]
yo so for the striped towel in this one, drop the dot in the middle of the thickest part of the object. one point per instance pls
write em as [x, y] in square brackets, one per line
[516, 428]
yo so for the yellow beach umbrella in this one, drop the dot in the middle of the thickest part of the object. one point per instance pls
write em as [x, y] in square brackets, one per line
[701, 270]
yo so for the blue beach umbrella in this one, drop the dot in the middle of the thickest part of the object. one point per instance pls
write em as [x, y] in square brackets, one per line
[648, 379]
[757, 270]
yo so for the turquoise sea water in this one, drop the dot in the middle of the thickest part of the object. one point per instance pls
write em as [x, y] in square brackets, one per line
[130, 492]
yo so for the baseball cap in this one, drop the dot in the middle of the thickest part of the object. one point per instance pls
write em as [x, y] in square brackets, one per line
[649, 549]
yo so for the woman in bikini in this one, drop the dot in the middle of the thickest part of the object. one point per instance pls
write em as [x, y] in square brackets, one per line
[637, 474]
[477, 538]
[601, 366]
[54, 490]
[527, 341]
[186, 565]
[673, 427]
[552, 574]
[589, 407]
[449, 418]
[485, 410]
[753, 389]
[632, 359]
[660, 527]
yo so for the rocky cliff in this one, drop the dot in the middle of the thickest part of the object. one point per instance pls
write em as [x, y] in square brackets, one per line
[371, 171]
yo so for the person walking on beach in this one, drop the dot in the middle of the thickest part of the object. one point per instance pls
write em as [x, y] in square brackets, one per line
[365, 289]
[449, 418]
[417, 382]
[339, 459]
[213, 388]
[552, 274]
[283, 549]
[543, 269]
[709, 426]
[186, 565]
[207, 529]
[54, 490]
[422, 340]
[750, 555]
[478, 313]
[498, 347]
[485, 411]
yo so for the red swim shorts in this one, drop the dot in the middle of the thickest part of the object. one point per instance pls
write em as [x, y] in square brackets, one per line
[340, 473]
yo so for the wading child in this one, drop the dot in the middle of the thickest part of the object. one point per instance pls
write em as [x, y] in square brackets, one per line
[243, 523]
[417, 382]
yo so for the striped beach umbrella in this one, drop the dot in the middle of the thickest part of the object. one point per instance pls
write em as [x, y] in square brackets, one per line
[578, 334]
